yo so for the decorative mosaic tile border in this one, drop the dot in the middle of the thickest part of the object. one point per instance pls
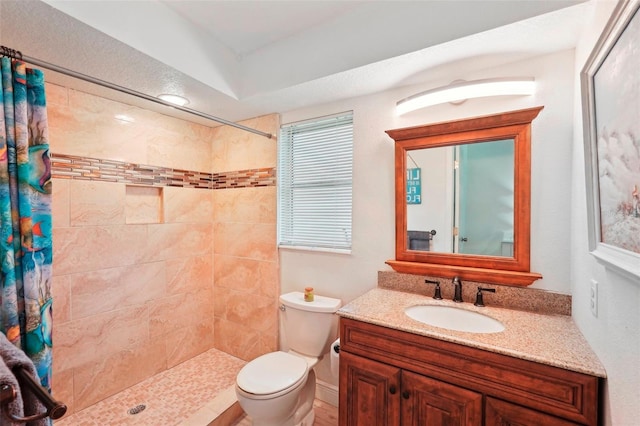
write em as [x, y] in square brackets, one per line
[84, 168]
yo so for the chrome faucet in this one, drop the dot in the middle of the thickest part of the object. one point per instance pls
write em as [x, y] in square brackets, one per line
[457, 289]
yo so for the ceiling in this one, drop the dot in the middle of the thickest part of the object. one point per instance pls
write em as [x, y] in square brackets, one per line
[241, 59]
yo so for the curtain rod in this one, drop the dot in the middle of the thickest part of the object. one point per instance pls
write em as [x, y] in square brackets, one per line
[16, 54]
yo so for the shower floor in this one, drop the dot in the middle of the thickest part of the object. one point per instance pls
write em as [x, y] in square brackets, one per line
[190, 394]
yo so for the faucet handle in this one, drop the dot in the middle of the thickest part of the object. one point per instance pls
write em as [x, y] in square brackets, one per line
[436, 294]
[479, 299]
[457, 290]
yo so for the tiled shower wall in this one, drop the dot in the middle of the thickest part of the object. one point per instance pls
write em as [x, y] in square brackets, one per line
[246, 274]
[150, 268]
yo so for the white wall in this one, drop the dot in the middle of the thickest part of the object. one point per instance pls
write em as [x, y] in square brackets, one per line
[348, 276]
[615, 333]
[559, 243]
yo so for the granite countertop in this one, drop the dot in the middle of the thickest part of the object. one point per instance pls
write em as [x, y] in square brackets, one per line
[547, 339]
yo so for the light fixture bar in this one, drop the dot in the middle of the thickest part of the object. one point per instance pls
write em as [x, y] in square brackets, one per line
[467, 90]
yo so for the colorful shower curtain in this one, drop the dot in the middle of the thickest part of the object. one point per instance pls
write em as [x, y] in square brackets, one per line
[25, 215]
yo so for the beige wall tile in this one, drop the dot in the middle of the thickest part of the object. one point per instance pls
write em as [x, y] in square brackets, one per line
[118, 371]
[115, 285]
[143, 204]
[91, 339]
[184, 344]
[253, 240]
[62, 387]
[110, 289]
[57, 96]
[220, 298]
[168, 150]
[250, 310]
[174, 240]
[181, 311]
[100, 128]
[99, 247]
[189, 274]
[98, 105]
[188, 205]
[60, 203]
[61, 293]
[255, 205]
[75, 131]
[247, 275]
[237, 340]
[268, 342]
[96, 203]
[235, 149]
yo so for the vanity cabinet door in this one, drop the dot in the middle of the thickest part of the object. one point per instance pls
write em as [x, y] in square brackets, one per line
[429, 402]
[502, 413]
[369, 392]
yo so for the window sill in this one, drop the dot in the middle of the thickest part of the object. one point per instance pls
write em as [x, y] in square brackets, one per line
[319, 249]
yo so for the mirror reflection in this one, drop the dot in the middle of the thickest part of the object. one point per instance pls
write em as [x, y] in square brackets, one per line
[460, 199]
[472, 222]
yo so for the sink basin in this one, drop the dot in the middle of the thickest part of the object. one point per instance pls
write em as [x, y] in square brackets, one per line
[453, 318]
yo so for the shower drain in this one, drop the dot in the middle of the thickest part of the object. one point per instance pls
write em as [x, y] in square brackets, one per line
[137, 409]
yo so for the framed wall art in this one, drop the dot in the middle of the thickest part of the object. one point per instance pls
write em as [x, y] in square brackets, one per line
[611, 111]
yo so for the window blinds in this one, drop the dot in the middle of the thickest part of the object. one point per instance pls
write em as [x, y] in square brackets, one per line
[315, 160]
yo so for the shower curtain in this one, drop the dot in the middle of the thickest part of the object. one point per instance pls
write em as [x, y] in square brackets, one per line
[25, 215]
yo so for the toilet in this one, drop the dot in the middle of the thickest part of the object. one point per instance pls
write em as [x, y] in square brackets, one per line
[278, 388]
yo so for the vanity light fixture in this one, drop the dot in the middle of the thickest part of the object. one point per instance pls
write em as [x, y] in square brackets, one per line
[460, 91]
[174, 99]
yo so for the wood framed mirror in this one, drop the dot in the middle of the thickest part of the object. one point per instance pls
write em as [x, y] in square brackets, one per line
[476, 178]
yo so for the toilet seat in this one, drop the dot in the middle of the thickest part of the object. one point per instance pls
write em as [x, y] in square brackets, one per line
[271, 375]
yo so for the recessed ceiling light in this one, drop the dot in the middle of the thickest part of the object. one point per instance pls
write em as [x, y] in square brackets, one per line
[174, 99]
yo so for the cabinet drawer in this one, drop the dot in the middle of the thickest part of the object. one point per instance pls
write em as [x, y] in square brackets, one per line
[559, 392]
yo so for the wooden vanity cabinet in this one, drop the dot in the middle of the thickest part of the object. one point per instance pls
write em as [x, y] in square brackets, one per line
[381, 395]
[372, 396]
[389, 377]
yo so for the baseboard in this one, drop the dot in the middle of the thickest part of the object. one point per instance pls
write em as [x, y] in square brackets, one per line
[327, 392]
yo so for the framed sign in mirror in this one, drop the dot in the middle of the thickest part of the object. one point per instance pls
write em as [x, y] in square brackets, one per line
[611, 112]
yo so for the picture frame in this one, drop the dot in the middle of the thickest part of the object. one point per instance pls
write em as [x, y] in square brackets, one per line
[611, 118]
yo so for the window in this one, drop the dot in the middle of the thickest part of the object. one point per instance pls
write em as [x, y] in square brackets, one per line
[315, 159]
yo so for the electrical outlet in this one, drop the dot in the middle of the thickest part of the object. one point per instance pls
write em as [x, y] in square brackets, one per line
[593, 300]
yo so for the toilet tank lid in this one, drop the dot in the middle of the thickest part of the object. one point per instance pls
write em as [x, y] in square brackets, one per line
[295, 300]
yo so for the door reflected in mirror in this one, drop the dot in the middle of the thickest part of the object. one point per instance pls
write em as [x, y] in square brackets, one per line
[460, 199]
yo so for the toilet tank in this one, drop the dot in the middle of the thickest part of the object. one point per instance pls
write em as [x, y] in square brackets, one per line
[309, 327]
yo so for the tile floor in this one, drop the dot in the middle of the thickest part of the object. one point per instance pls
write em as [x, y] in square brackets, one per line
[171, 398]
[206, 398]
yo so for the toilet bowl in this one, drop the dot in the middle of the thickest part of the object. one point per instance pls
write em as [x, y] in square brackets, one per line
[269, 387]
[278, 388]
